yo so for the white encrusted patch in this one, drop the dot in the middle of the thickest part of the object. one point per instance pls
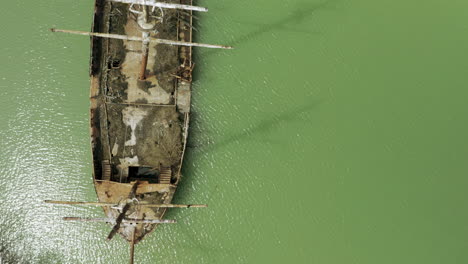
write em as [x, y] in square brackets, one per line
[115, 149]
[131, 116]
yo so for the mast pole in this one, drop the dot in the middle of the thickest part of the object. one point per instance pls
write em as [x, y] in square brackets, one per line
[141, 204]
[151, 39]
[126, 221]
[132, 246]
[163, 5]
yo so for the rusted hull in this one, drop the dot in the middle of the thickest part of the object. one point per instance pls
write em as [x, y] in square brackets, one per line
[138, 127]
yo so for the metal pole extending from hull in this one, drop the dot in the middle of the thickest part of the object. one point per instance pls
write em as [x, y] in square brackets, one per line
[132, 246]
[141, 204]
[112, 220]
[151, 39]
[163, 5]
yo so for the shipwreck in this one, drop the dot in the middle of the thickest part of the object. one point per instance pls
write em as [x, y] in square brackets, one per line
[141, 73]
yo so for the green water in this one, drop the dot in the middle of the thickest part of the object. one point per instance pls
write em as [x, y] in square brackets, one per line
[335, 132]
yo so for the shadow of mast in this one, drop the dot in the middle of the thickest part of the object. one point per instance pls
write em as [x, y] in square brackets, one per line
[300, 13]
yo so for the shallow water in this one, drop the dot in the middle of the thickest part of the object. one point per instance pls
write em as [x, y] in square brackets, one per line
[335, 132]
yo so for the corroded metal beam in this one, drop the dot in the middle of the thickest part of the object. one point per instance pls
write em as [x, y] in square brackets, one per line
[144, 56]
[112, 220]
[141, 204]
[151, 39]
[132, 246]
[163, 5]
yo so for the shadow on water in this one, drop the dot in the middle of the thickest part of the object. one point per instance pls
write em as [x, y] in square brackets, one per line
[261, 128]
[193, 240]
[7, 256]
[48, 257]
[302, 11]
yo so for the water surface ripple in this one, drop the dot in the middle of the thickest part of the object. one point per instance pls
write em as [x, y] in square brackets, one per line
[334, 132]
